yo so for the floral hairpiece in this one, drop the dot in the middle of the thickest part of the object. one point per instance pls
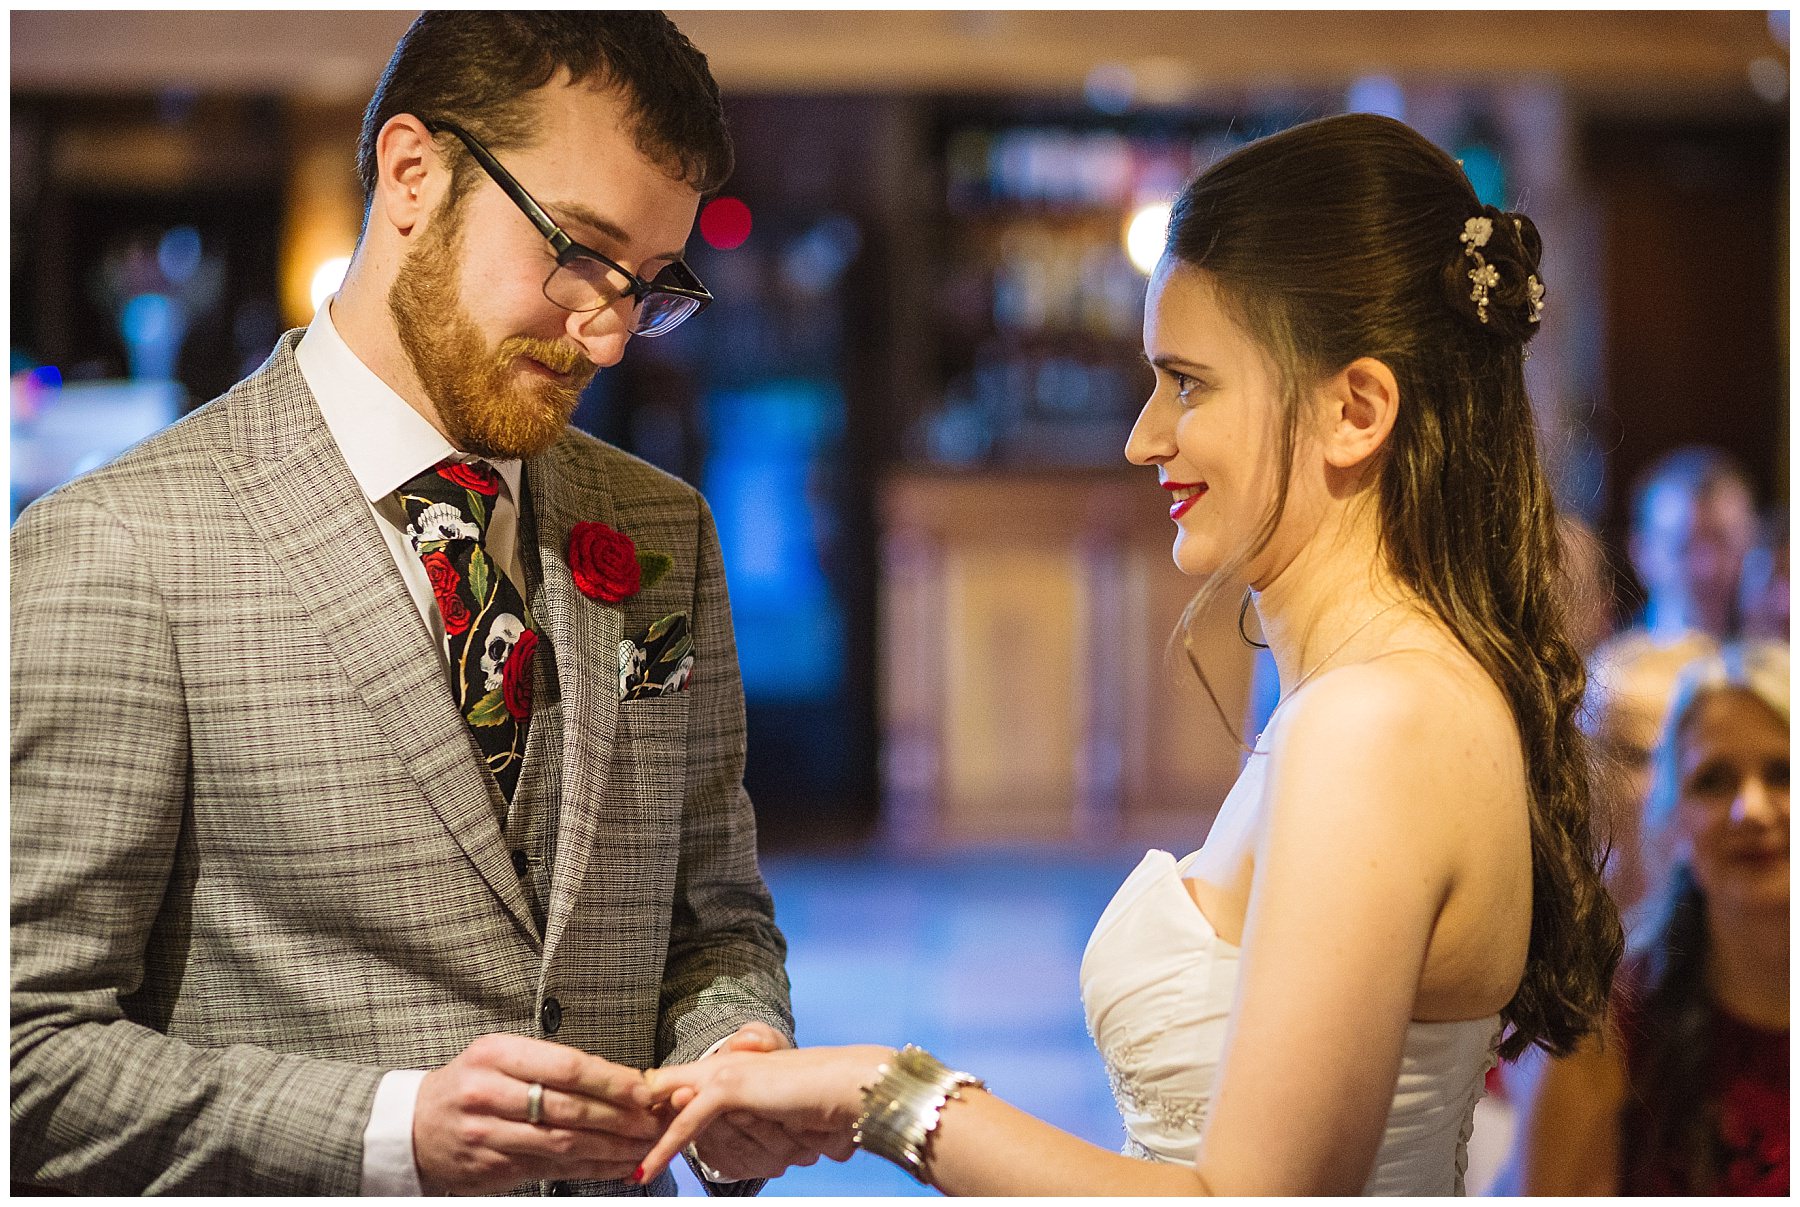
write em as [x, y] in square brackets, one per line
[1475, 234]
[1484, 276]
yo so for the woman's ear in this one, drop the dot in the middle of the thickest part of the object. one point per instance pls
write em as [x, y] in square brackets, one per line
[1361, 401]
[408, 172]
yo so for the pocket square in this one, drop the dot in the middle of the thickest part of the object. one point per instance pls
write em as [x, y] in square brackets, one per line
[659, 662]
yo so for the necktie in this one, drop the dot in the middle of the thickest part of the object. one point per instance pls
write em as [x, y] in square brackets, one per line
[491, 634]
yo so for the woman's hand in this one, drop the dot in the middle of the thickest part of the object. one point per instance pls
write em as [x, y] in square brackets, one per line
[811, 1092]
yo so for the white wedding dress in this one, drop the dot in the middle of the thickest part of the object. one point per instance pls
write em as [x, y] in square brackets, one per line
[1157, 984]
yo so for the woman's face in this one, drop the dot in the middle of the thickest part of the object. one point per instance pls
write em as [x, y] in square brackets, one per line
[1209, 426]
[1731, 816]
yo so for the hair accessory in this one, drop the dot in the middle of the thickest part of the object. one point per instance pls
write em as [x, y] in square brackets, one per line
[1475, 234]
[902, 1106]
[1534, 290]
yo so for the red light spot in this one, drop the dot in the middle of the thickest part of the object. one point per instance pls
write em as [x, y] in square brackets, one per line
[725, 223]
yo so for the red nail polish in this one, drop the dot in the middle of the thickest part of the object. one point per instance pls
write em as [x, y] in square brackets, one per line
[637, 1176]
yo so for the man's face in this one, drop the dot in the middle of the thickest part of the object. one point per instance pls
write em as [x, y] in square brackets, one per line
[1695, 545]
[502, 364]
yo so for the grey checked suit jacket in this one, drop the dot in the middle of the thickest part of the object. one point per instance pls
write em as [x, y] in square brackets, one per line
[255, 863]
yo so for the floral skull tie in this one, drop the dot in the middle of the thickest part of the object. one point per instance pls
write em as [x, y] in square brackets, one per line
[491, 634]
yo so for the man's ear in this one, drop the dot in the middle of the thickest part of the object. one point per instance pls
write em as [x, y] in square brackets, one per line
[409, 175]
[1361, 402]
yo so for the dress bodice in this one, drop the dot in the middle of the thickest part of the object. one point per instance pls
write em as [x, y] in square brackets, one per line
[1157, 983]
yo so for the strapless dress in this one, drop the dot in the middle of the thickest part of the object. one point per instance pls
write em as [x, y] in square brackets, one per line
[1157, 984]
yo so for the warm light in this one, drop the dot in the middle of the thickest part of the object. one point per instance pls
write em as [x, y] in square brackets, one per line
[725, 223]
[327, 278]
[1769, 79]
[1145, 234]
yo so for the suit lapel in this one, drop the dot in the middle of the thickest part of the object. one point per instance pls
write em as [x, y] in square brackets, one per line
[287, 472]
[584, 633]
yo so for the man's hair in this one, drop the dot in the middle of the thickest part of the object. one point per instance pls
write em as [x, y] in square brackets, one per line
[475, 69]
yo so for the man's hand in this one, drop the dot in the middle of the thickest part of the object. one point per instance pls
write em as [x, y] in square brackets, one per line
[470, 1134]
[813, 1094]
[738, 1145]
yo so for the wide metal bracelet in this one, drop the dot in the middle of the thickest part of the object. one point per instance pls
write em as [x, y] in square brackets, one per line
[902, 1106]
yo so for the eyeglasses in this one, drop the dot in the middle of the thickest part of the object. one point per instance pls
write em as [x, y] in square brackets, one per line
[585, 280]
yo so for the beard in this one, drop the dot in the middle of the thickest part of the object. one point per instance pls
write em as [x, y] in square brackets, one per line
[485, 403]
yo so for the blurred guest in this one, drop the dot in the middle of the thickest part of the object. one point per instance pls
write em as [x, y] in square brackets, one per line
[1692, 522]
[1689, 1093]
[1630, 685]
[1763, 589]
[1587, 585]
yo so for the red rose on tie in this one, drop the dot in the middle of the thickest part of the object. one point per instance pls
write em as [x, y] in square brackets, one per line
[515, 678]
[444, 582]
[478, 478]
[603, 562]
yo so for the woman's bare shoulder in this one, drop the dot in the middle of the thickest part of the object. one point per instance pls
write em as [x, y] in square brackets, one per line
[1415, 724]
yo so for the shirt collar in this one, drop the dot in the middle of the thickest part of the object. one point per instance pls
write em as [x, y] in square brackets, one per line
[384, 440]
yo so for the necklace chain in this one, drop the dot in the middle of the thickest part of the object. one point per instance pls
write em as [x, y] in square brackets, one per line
[1339, 648]
[1336, 650]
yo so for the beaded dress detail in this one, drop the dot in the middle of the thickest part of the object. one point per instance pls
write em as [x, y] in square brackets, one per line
[1157, 984]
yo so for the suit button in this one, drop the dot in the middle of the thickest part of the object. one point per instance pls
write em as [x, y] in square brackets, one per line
[550, 1016]
[521, 865]
[561, 1188]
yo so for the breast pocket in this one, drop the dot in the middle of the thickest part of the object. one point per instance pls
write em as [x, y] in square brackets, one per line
[650, 751]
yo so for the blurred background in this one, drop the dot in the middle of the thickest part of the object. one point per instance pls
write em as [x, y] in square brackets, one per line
[909, 405]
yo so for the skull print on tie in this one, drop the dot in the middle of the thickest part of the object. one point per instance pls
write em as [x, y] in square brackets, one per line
[491, 635]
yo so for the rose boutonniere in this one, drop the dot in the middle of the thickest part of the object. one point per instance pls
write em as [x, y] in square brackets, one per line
[607, 565]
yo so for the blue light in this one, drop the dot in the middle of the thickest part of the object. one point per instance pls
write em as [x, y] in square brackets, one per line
[1481, 164]
[47, 376]
[1379, 94]
[178, 253]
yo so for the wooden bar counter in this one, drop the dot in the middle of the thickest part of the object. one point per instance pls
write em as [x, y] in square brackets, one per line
[1029, 689]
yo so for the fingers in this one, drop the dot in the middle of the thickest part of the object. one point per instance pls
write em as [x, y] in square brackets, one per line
[837, 1145]
[532, 1143]
[755, 1037]
[505, 1096]
[557, 1066]
[740, 1146]
[693, 1119]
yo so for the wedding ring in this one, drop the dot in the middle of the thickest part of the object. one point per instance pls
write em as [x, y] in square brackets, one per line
[534, 1103]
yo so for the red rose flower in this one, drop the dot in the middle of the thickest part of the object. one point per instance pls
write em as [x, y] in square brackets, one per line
[444, 581]
[603, 562]
[478, 478]
[515, 679]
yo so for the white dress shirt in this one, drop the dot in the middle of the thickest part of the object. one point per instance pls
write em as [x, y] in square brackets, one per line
[387, 444]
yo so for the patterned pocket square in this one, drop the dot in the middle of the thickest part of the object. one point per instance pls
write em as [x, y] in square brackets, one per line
[660, 662]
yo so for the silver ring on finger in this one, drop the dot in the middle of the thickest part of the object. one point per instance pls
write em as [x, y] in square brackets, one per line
[534, 1104]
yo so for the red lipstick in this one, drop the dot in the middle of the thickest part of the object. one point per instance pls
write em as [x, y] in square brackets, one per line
[1187, 500]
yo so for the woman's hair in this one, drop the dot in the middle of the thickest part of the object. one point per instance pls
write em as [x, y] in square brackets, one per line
[1670, 946]
[1353, 236]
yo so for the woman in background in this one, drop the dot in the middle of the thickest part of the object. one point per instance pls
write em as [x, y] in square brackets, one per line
[1689, 1094]
[1402, 881]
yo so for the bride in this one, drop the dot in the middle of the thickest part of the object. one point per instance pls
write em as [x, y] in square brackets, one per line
[1403, 883]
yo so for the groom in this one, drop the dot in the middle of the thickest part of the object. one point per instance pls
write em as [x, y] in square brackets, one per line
[345, 857]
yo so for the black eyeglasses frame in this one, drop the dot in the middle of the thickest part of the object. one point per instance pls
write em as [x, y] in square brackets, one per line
[566, 249]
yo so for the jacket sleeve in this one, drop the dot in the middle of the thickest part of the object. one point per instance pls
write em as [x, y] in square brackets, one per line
[102, 1103]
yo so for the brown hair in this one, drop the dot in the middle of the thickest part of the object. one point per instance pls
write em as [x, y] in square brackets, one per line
[1339, 239]
[475, 68]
